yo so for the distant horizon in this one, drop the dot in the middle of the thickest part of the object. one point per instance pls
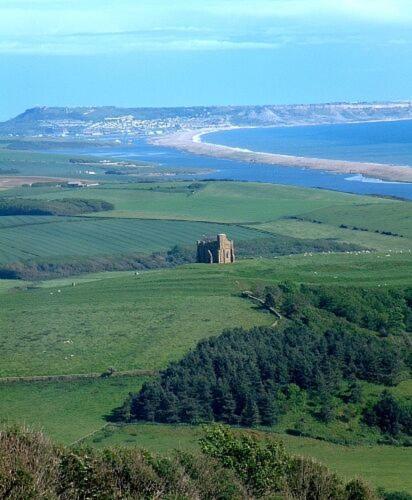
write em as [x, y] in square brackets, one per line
[190, 53]
[188, 106]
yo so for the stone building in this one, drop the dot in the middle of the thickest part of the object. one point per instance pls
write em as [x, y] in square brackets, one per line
[216, 251]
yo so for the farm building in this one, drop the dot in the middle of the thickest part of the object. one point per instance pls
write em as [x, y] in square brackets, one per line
[216, 251]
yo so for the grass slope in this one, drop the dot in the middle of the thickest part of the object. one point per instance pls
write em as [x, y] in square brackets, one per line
[129, 323]
[65, 410]
[142, 322]
[306, 229]
[227, 201]
[37, 237]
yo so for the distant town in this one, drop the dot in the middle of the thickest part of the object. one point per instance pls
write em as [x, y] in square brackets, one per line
[119, 123]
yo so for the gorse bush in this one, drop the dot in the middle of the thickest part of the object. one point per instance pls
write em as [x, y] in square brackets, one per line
[31, 467]
[233, 465]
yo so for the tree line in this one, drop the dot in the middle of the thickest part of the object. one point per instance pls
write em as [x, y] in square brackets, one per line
[64, 206]
[243, 377]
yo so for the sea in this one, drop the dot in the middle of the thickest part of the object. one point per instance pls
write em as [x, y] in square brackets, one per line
[381, 142]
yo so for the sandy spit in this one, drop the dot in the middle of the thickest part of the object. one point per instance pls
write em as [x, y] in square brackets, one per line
[191, 141]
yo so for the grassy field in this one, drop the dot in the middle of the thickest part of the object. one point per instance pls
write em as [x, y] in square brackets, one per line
[142, 322]
[145, 321]
[383, 466]
[66, 411]
[234, 202]
[267, 207]
[394, 217]
[135, 322]
[36, 237]
[306, 229]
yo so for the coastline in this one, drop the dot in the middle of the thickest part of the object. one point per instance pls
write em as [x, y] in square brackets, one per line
[191, 141]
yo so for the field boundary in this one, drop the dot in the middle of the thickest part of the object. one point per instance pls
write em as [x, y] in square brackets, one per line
[78, 376]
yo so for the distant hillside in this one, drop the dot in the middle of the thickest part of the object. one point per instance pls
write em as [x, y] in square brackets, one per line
[110, 120]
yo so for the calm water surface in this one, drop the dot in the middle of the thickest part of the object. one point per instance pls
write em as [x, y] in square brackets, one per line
[388, 142]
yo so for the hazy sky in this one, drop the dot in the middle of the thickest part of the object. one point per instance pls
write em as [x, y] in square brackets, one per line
[187, 52]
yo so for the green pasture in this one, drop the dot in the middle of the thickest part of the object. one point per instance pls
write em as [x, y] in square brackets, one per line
[64, 410]
[39, 237]
[306, 229]
[136, 322]
[30, 163]
[383, 466]
[145, 321]
[393, 216]
[151, 217]
[224, 201]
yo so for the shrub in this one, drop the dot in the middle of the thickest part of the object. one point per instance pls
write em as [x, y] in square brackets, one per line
[28, 465]
[309, 480]
[262, 464]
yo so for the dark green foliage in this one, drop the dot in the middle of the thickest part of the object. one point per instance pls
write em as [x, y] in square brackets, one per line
[383, 311]
[64, 206]
[236, 378]
[391, 415]
[355, 392]
[394, 495]
[327, 411]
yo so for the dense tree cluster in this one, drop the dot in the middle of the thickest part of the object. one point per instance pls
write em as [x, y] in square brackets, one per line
[240, 376]
[377, 309]
[391, 415]
[64, 206]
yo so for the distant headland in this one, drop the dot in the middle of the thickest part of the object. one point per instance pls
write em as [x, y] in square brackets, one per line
[183, 128]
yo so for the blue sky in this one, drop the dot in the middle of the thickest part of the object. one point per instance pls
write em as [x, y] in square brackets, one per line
[194, 52]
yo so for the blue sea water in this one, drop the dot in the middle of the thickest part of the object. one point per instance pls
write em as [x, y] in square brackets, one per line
[384, 142]
[380, 142]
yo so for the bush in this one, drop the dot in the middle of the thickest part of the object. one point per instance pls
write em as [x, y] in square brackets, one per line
[233, 466]
[28, 465]
[391, 415]
[262, 464]
[310, 480]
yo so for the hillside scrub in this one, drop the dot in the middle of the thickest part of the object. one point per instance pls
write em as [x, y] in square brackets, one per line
[64, 206]
[232, 465]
